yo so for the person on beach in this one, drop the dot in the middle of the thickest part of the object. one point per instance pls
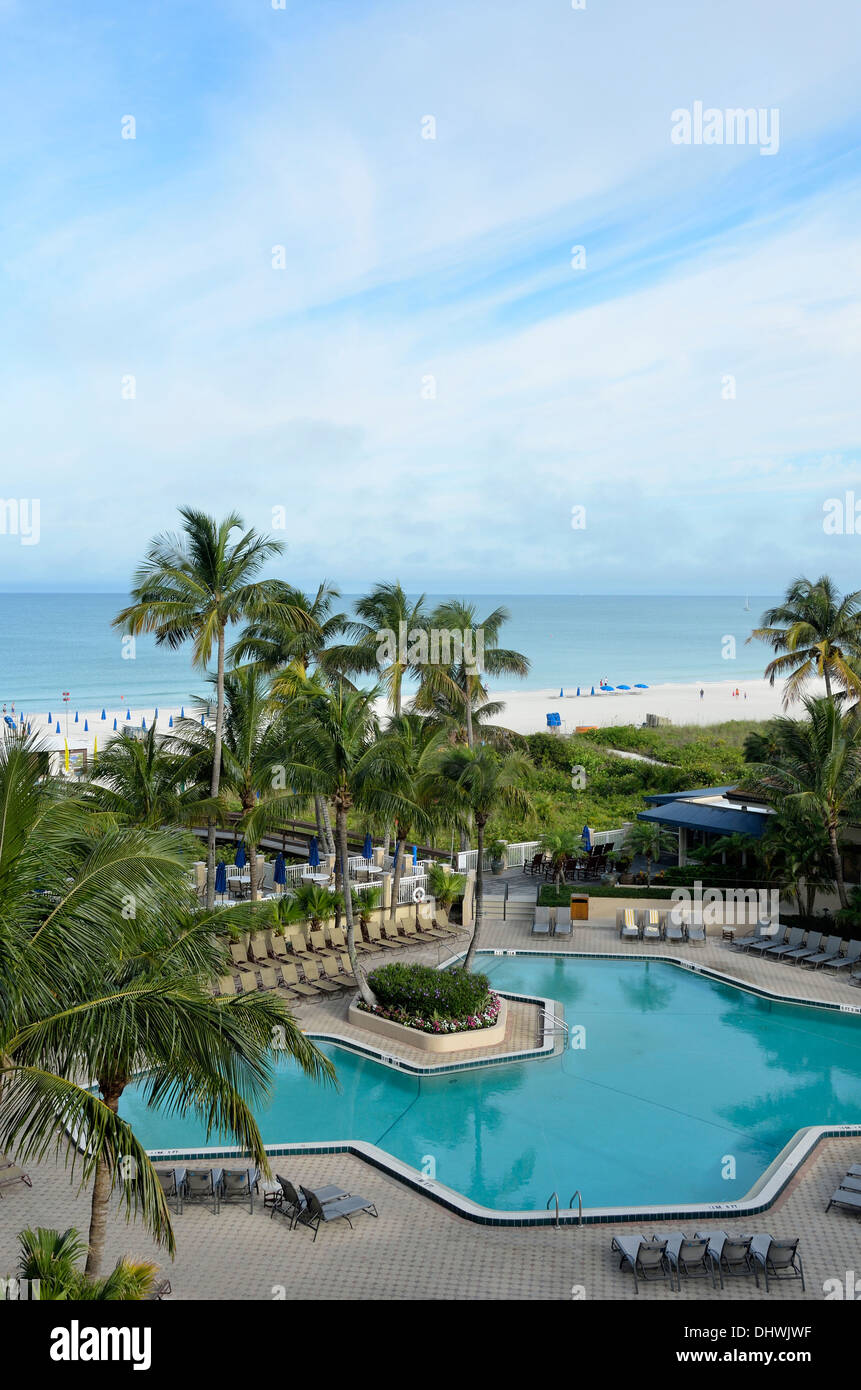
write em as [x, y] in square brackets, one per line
[701, 692]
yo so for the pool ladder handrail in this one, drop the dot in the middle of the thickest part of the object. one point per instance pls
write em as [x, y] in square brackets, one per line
[558, 1025]
[554, 1197]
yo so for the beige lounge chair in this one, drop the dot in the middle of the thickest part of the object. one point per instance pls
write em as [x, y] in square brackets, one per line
[290, 976]
[313, 977]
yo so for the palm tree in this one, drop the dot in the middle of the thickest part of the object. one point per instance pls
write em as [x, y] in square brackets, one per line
[445, 888]
[104, 964]
[146, 782]
[189, 588]
[648, 839]
[480, 783]
[51, 1258]
[816, 772]
[404, 762]
[818, 633]
[795, 846]
[385, 610]
[462, 682]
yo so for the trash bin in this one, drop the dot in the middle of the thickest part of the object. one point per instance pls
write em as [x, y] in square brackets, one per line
[579, 907]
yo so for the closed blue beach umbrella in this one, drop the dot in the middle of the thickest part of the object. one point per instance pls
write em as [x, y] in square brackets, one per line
[202, 721]
[561, 693]
[182, 712]
[104, 716]
[587, 837]
[156, 712]
[240, 857]
[128, 714]
[368, 848]
[143, 723]
[115, 723]
[221, 878]
[313, 852]
[50, 716]
[86, 727]
[415, 855]
[280, 871]
[76, 716]
[593, 690]
[170, 722]
[57, 730]
[578, 690]
[29, 730]
[22, 719]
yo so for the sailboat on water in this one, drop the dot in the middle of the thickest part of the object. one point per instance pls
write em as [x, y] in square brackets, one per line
[746, 604]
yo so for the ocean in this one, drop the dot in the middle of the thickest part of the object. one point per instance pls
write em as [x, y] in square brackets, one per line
[51, 643]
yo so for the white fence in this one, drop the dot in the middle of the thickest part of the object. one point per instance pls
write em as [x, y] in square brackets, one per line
[408, 886]
[516, 855]
[616, 838]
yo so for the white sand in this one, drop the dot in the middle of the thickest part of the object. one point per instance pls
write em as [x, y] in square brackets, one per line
[525, 710]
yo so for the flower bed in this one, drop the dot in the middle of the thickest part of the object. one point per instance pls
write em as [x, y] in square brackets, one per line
[470, 1023]
[433, 1001]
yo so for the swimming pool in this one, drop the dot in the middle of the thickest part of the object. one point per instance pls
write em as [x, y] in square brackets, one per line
[685, 1091]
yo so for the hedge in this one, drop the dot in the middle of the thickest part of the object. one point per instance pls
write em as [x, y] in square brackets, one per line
[420, 989]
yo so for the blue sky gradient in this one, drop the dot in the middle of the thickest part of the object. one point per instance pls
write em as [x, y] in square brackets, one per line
[410, 259]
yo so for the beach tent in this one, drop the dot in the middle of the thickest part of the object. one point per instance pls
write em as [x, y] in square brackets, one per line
[368, 848]
[239, 857]
[221, 878]
[313, 852]
[279, 874]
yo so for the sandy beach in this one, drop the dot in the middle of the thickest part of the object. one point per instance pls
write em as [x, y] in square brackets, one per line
[525, 710]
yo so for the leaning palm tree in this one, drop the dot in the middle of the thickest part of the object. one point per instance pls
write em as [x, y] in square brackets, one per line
[818, 633]
[104, 971]
[816, 772]
[147, 782]
[461, 681]
[481, 783]
[190, 587]
[384, 617]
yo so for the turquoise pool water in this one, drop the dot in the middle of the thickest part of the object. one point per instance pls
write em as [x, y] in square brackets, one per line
[682, 1080]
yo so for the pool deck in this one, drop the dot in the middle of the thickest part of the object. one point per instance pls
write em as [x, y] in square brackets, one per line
[420, 1250]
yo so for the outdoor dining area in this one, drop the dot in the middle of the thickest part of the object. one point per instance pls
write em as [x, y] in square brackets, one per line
[276, 876]
[588, 865]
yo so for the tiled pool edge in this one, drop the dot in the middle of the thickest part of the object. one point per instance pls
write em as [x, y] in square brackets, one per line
[760, 1198]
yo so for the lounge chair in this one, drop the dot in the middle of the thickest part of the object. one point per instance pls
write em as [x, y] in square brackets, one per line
[313, 977]
[652, 923]
[225, 984]
[564, 925]
[673, 928]
[10, 1173]
[202, 1185]
[318, 943]
[810, 947]
[688, 1256]
[779, 1259]
[171, 1180]
[852, 1182]
[853, 953]
[238, 953]
[830, 951]
[731, 1254]
[778, 938]
[239, 1186]
[626, 922]
[376, 940]
[347, 967]
[317, 1211]
[694, 929]
[541, 922]
[299, 945]
[290, 976]
[784, 948]
[331, 968]
[259, 947]
[845, 1197]
[292, 1204]
[646, 1258]
[763, 929]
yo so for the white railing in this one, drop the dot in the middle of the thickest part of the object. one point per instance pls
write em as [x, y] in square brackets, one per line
[358, 861]
[408, 886]
[357, 887]
[517, 855]
[616, 838]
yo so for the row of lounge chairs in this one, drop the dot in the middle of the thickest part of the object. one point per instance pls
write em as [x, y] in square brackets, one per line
[551, 921]
[708, 1254]
[316, 1206]
[848, 1193]
[650, 924]
[215, 1187]
[800, 947]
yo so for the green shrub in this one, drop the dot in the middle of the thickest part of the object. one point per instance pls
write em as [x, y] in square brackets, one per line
[549, 896]
[419, 989]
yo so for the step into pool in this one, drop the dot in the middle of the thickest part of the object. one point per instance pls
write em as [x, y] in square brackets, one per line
[684, 1090]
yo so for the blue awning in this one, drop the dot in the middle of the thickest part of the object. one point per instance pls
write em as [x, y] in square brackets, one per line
[715, 820]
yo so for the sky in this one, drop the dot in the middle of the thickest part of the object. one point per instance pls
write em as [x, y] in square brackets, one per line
[282, 297]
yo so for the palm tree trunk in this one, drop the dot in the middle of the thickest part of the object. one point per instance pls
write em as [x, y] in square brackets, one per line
[101, 1198]
[479, 895]
[827, 682]
[470, 735]
[838, 864]
[400, 851]
[364, 987]
[216, 772]
[326, 820]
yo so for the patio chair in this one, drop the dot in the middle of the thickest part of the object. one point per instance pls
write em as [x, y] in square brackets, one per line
[688, 1256]
[292, 1204]
[830, 951]
[202, 1185]
[171, 1180]
[317, 1211]
[852, 956]
[239, 1185]
[763, 929]
[792, 943]
[846, 1197]
[651, 924]
[626, 922]
[541, 922]
[731, 1254]
[10, 1173]
[810, 947]
[290, 976]
[778, 1259]
[645, 1258]
[534, 864]
[778, 938]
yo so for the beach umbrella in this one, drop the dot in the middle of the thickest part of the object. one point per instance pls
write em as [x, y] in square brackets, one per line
[115, 722]
[280, 871]
[143, 723]
[578, 690]
[128, 714]
[22, 719]
[593, 690]
[170, 722]
[239, 857]
[313, 852]
[76, 716]
[156, 712]
[58, 726]
[182, 712]
[29, 730]
[86, 727]
[640, 686]
[368, 848]
[608, 687]
[587, 838]
[50, 716]
[561, 693]
[10, 722]
[104, 716]
[415, 855]
[221, 878]
[202, 721]
[623, 687]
